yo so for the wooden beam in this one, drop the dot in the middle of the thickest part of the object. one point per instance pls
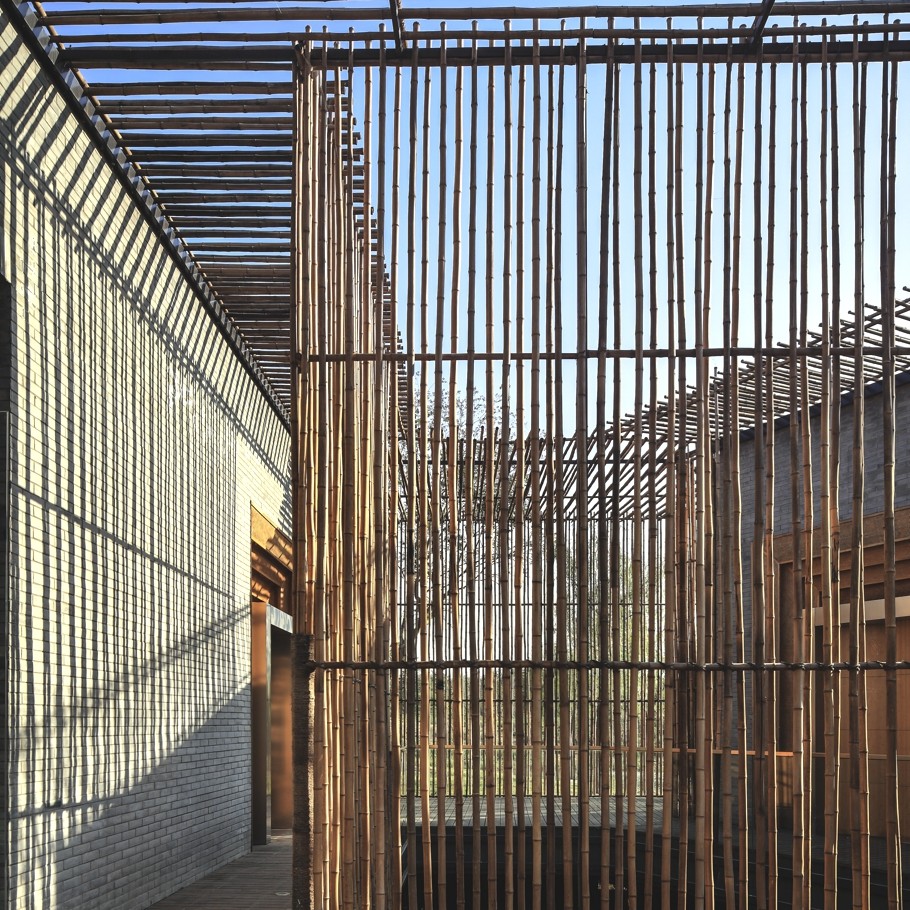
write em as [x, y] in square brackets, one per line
[198, 106]
[240, 139]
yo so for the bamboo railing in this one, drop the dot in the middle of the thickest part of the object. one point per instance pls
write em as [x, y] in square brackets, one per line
[572, 515]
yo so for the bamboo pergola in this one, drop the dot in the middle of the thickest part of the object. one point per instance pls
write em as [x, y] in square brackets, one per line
[548, 395]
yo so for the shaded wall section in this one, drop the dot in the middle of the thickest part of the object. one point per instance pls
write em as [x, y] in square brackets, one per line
[138, 441]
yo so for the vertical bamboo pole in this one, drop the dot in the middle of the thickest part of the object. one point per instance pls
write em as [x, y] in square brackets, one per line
[800, 873]
[435, 489]
[808, 501]
[702, 746]
[636, 562]
[503, 480]
[519, 569]
[727, 602]
[394, 527]
[559, 492]
[581, 483]
[707, 493]
[857, 580]
[683, 537]
[759, 603]
[736, 502]
[453, 502]
[536, 456]
[615, 538]
[888, 183]
[670, 505]
[603, 553]
[830, 618]
[772, 600]
[550, 531]
[351, 885]
[302, 280]
[423, 494]
[549, 645]
[384, 444]
[652, 558]
[411, 485]
[489, 505]
[371, 430]
[324, 684]
[473, 630]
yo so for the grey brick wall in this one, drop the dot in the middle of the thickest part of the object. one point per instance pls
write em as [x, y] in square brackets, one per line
[138, 444]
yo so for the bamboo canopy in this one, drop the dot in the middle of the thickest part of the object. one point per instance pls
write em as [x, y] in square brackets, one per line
[193, 143]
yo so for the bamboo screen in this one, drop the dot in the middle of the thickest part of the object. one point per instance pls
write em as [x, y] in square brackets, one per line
[598, 368]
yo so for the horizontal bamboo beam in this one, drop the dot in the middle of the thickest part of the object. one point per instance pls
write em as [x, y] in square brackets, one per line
[217, 170]
[227, 157]
[215, 205]
[657, 52]
[201, 57]
[285, 12]
[203, 106]
[203, 124]
[335, 13]
[240, 139]
[202, 200]
[163, 90]
[613, 353]
[658, 665]
[234, 232]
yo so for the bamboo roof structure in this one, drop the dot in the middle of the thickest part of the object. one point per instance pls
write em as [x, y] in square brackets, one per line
[195, 103]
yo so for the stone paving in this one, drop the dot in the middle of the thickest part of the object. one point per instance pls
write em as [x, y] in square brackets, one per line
[261, 880]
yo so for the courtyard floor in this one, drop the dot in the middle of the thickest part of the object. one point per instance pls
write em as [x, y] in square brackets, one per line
[261, 880]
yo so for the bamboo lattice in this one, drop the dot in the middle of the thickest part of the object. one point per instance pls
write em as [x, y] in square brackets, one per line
[602, 544]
